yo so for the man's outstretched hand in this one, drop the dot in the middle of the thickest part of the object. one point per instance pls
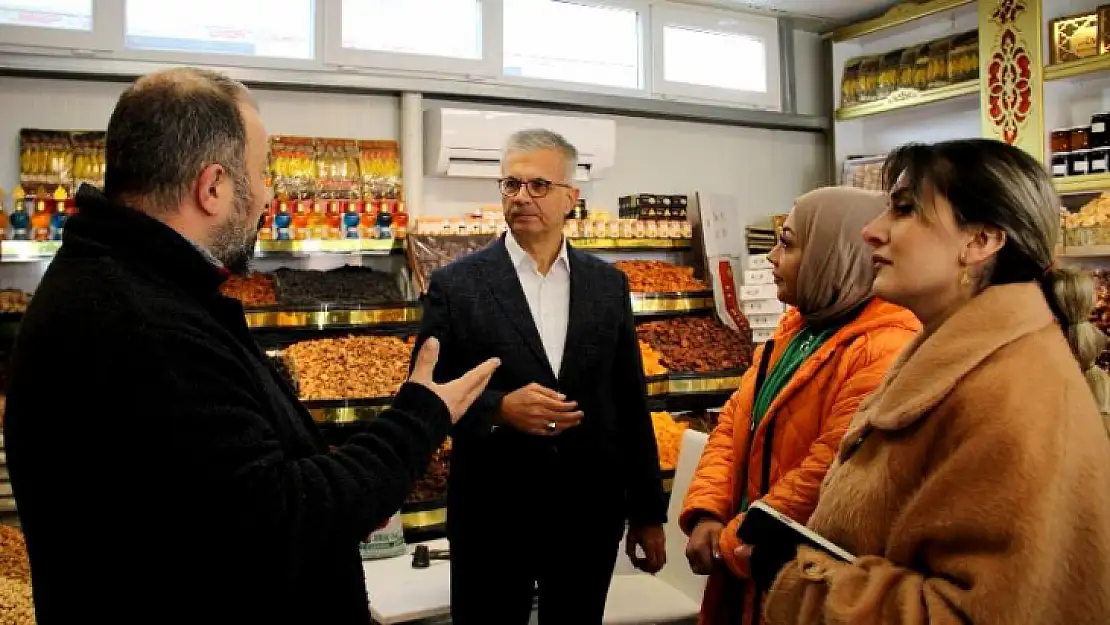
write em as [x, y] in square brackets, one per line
[458, 394]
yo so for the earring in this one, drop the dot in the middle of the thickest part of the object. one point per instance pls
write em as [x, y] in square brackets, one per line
[965, 278]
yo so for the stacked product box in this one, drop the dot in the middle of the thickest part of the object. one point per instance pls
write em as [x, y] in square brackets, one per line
[759, 298]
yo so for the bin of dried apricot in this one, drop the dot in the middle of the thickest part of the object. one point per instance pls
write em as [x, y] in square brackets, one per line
[656, 276]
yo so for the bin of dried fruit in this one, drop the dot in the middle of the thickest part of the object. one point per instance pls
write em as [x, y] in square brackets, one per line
[345, 285]
[651, 359]
[14, 301]
[354, 367]
[428, 252]
[1100, 316]
[255, 290]
[433, 485]
[697, 344]
[656, 276]
[668, 437]
[703, 421]
[1090, 225]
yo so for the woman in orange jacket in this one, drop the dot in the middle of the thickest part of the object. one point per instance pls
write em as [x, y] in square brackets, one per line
[779, 432]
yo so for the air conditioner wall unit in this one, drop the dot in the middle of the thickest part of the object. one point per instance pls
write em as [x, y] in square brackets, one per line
[467, 143]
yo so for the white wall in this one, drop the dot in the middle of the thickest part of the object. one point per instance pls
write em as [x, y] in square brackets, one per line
[810, 68]
[767, 169]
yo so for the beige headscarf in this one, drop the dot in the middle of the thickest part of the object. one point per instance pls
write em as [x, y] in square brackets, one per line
[836, 273]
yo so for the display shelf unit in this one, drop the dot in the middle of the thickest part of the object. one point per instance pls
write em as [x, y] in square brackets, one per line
[658, 304]
[367, 247]
[909, 98]
[32, 251]
[1086, 251]
[675, 386]
[949, 111]
[1090, 67]
[346, 411]
[28, 251]
[334, 317]
[898, 15]
[639, 245]
[1076, 185]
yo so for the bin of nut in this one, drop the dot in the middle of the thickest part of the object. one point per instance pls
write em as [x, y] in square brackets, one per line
[254, 290]
[696, 344]
[354, 367]
[16, 606]
[433, 485]
[656, 276]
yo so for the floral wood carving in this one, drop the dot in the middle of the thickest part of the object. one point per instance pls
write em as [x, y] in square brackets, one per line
[1009, 74]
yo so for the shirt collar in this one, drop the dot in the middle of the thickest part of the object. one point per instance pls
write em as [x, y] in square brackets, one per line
[518, 256]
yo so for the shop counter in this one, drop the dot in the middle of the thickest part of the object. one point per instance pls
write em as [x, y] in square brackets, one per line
[402, 594]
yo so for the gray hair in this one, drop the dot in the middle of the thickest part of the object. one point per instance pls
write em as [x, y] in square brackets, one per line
[542, 139]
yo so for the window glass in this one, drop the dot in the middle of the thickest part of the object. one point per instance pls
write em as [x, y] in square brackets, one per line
[558, 40]
[713, 59]
[63, 14]
[266, 28]
[447, 28]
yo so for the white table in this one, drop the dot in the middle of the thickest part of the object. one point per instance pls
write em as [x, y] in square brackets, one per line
[402, 594]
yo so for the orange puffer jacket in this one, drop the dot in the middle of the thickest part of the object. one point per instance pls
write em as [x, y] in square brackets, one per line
[812, 413]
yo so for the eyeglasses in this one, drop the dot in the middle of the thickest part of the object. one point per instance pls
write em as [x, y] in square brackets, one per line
[537, 187]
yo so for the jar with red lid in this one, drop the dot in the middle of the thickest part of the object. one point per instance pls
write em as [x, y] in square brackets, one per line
[1080, 138]
[1061, 140]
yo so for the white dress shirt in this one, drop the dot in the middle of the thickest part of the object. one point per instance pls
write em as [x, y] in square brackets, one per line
[548, 297]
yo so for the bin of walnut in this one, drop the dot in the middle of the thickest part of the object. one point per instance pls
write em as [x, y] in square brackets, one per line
[353, 367]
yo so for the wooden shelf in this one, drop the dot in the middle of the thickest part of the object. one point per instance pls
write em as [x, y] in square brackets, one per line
[907, 98]
[898, 15]
[1087, 251]
[1074, 185]
[1075, 69]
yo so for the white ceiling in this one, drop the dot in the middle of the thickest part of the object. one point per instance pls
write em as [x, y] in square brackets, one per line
[827, 11]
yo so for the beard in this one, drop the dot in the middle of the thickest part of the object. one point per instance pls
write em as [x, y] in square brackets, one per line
[234, 239]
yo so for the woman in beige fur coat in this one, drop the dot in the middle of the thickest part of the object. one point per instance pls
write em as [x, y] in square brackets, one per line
[974, 484]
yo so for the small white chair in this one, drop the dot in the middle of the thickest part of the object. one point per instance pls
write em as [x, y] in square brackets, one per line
[674, 595]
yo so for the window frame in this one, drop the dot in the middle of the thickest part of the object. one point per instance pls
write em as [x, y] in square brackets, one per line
[488, 67]
[760, 27]
[644, 43]
[121, 51]
[105, 36]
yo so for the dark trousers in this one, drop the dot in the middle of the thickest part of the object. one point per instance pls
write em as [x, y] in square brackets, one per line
[557, 541]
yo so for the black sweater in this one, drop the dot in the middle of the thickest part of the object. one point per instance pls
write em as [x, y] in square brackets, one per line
[164, 472]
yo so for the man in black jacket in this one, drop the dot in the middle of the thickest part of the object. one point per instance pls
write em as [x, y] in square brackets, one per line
[558, 453]
[164, 472]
